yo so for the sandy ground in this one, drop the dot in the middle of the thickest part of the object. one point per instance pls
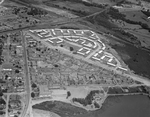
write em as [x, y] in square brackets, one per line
[78, 92]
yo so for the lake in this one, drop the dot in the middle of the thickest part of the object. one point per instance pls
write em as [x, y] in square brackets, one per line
[123, 106]
[116, 106]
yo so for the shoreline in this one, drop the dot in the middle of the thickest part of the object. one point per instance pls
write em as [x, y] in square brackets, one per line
[113, 104]
[102, 105]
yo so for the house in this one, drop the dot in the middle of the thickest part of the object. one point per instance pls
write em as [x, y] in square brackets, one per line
[15, 104]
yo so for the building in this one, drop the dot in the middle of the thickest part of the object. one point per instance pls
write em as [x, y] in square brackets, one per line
[15, 104]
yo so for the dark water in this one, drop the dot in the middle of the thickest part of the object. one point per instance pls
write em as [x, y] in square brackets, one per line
[139, 60]
[123, 106]
[129, 106]
[116, 106]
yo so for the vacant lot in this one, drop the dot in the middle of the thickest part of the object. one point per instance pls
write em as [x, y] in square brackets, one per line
[77, 7]
[60, 108]
[138, 60]
[109, 2]
[136, 16]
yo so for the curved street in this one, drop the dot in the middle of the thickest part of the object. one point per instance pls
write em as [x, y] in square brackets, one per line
[1, 1]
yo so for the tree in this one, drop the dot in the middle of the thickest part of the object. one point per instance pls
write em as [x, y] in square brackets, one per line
[71, 49]
[20, 26]
[96, 105]
[18, 112]
[34, 85]
[68, 94]
[32, 94]
[145, 26]
[1, 93]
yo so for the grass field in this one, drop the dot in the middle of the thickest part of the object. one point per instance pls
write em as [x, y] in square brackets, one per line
[77, 6]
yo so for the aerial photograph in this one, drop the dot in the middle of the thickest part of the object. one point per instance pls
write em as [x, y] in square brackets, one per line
[74, 58]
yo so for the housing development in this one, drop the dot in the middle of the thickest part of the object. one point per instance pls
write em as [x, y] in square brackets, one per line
[56, 64]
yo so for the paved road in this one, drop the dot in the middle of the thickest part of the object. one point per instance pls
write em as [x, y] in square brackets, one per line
[27, 78]
[7, 101]
[1, 1]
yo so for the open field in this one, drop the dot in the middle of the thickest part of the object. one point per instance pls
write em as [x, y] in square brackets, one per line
[42, 113]
[73, 6]
[109, 2]
[137, 60]
[61, 108]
